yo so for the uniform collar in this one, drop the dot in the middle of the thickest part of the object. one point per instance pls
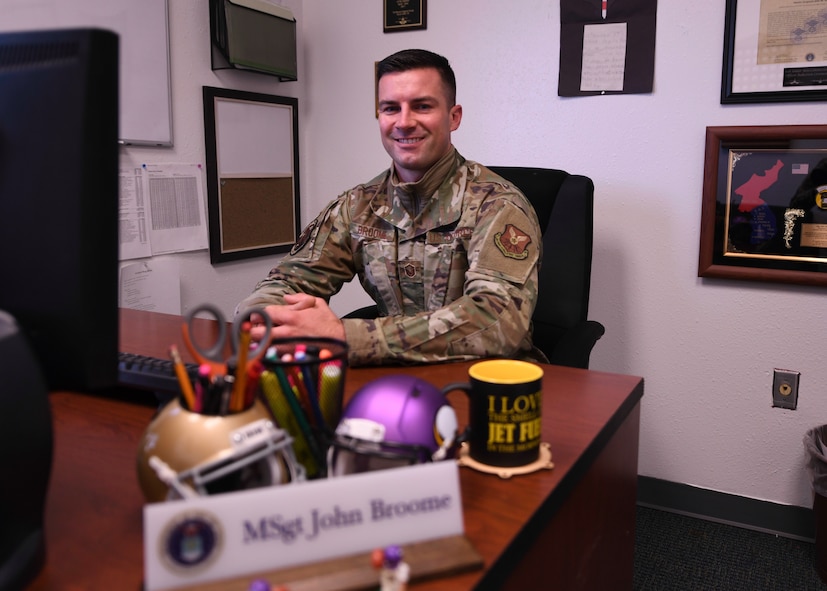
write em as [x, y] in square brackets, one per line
[426, 204]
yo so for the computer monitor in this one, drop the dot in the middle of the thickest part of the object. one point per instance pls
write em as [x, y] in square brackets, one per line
[58, 258]
[59, 200]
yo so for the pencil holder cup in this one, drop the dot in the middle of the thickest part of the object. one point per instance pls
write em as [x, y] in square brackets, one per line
[303, 385]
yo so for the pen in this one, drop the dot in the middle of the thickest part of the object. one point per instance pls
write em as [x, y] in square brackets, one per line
[225, 389]
[603, 8]
[253, 380]
[183, 378]
[240, 386]
[310, 387]
[294, 377]
[199, 396]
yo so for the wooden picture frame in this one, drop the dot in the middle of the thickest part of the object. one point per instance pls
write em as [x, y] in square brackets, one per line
[764, 212]
[765, 64]
[252, 173]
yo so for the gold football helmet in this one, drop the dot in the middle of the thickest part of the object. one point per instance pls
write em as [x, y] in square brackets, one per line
[185, 454]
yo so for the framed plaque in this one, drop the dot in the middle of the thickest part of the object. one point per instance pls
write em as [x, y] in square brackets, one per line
[764, 213]
[775, 51]
[252, 173]
[404, 15]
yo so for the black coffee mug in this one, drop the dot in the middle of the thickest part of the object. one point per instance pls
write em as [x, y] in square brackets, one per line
[505, 401]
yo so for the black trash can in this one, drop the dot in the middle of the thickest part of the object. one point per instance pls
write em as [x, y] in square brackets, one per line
[815, 442]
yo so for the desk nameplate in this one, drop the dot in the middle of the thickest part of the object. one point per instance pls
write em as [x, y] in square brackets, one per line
[222, 536]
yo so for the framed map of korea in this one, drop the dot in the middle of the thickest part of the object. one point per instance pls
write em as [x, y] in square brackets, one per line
[764, 213]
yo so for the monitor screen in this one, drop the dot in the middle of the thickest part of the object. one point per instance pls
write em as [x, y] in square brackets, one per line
[59, 200]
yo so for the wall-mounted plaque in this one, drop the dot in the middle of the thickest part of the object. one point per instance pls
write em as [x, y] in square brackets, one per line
[404, 15]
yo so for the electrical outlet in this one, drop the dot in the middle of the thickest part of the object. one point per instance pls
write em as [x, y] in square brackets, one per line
[785, 388]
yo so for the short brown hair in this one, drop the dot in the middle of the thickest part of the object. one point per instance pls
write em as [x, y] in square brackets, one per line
[412, 59]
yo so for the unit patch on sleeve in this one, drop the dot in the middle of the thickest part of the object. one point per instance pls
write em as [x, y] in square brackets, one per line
[305, 236]
[512, 242]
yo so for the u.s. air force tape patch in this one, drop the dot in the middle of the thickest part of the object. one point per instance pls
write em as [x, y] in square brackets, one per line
[305, 236]
[512, 242]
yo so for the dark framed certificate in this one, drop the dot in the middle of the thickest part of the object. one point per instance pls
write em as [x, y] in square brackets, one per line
[775, 51]
[764, 214]
[404, 15]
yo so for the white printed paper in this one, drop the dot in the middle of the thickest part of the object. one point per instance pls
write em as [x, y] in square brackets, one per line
[604, 57]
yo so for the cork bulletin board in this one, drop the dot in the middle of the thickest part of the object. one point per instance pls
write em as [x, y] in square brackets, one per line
[252, 173]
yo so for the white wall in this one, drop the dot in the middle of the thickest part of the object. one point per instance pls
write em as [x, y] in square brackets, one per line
[706, 348]
[189, 26]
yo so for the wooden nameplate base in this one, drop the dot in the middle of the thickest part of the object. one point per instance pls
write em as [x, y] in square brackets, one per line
[430, 559]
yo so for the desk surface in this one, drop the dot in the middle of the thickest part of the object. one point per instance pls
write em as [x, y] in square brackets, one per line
[94, 517]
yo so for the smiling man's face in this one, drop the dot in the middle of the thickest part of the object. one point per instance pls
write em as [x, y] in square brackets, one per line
[415, 120]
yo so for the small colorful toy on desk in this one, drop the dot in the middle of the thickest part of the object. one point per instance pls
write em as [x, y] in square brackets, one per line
[303, 383]
[394, 573]
[264, 585]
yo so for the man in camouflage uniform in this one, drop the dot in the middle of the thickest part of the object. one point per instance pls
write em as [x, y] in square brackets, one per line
[448, 250]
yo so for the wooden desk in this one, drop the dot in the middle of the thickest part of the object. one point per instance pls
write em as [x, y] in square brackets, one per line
[568, 528]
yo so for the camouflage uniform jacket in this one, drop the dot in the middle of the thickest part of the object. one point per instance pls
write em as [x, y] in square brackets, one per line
[455, 281]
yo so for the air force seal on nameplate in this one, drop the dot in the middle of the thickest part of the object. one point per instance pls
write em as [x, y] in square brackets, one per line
[191, 541]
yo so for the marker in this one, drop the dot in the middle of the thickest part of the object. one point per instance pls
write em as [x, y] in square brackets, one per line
[272, 353]
[273, 387]
[603, 8]
[330, 389]
[297, 384]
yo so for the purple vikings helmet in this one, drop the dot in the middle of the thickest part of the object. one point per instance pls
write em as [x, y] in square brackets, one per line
[396, 420]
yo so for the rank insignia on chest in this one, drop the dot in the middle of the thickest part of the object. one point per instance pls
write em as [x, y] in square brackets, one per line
[410, 271]
[512, 242]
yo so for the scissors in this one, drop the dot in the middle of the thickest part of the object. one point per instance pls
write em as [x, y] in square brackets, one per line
[213, 356]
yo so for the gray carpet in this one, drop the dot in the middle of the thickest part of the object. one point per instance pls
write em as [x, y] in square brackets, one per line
[676, 553]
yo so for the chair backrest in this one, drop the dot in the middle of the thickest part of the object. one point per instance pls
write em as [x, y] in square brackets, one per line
[564, 204]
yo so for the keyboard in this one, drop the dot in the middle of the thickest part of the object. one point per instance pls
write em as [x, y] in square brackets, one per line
[151, 373]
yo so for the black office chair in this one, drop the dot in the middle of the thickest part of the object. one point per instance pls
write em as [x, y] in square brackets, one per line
[564, 204]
